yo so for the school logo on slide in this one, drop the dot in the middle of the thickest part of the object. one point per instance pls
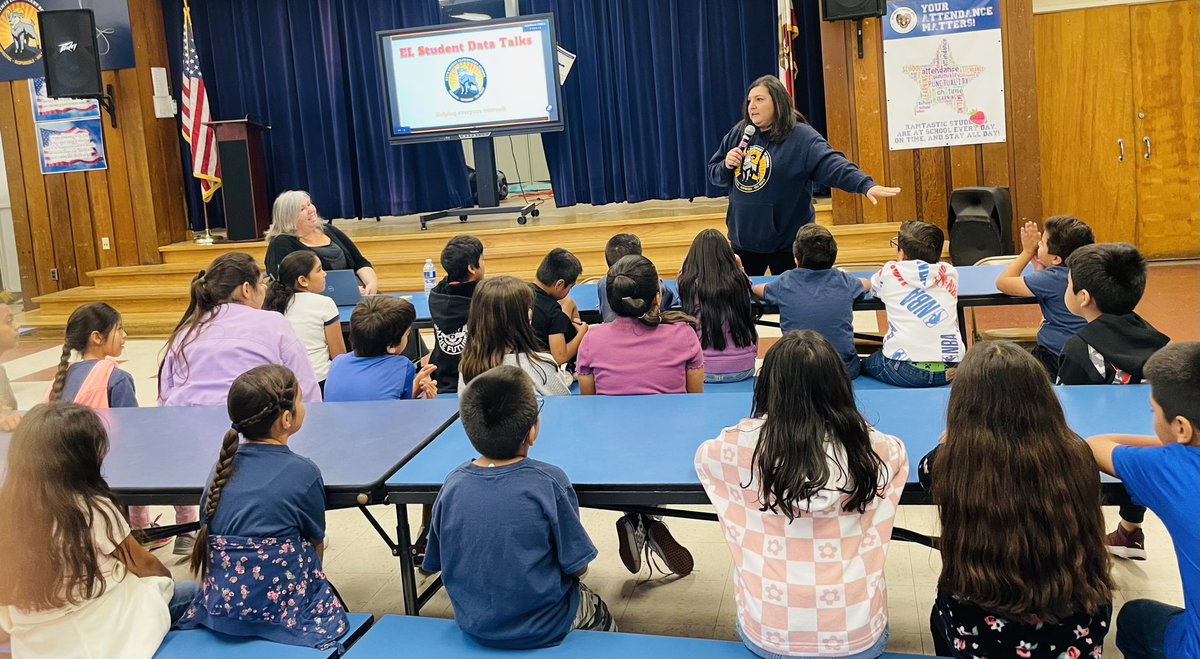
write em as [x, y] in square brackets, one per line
[466, 80]
[755, 170]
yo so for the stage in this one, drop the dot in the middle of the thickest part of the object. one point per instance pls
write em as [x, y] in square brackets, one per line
[152, 297]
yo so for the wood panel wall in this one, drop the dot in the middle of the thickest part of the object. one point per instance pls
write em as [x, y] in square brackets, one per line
[59, 220]
[857, 119]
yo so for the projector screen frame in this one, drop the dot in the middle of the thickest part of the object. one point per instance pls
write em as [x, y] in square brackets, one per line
[467, 132]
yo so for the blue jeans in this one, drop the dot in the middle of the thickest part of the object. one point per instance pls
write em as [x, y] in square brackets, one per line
[185, 592]
[720, 378]
[1142, 626]
[901, 373]
[870, 653]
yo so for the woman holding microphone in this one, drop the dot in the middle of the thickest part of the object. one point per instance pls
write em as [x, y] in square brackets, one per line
[771, 157]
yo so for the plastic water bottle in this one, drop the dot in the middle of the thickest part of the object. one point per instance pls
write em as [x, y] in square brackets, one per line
[429, 274]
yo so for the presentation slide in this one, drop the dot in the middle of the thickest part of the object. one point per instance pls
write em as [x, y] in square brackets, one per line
[472, 76]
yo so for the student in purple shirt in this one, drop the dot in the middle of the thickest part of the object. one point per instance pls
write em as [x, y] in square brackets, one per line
[714, 288]
[225, 333]
[644, 351]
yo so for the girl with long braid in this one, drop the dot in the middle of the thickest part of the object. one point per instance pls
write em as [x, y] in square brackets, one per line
[258, 552]
[96, 334]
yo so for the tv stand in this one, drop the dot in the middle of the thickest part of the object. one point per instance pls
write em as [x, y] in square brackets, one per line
[485, 187]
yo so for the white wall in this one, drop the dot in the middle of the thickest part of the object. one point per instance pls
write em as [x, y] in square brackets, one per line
[10, 276]
[530, 162]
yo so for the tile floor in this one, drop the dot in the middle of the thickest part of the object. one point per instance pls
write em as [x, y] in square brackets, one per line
[700, 605]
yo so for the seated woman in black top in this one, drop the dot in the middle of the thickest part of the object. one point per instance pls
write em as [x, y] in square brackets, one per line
[295, 225]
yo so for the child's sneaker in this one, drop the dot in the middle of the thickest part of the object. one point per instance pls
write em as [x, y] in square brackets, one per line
[1125, 544]
[674, 555]
[184, 543]
[631, 539]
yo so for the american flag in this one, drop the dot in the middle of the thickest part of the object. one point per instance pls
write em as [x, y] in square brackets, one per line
[195, 115]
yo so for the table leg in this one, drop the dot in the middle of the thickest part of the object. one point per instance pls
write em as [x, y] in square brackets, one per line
[408, 576]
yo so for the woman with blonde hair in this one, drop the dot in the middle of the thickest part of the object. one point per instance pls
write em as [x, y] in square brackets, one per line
[295, 225]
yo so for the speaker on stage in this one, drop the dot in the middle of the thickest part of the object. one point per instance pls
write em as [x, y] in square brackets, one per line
[842, 10]
[68, 40]
[980, 224]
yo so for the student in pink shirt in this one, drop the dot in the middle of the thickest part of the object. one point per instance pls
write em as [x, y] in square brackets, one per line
[225, 333]
[806, 493]
[645, 350]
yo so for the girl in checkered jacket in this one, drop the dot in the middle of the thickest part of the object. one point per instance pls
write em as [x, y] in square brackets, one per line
[806, 493]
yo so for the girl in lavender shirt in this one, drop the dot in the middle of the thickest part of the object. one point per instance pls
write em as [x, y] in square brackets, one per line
[644, 351]
[225, 333]
[714, 288]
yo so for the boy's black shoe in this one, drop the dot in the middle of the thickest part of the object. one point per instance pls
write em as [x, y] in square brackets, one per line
[674, 555]
[631, 540]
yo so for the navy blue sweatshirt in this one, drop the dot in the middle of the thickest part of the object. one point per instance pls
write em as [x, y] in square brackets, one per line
[771, 196]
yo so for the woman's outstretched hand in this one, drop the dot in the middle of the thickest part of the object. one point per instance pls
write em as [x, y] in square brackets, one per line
[878, 192]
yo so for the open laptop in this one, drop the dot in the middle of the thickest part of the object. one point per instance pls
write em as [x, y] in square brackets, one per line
[342, 286]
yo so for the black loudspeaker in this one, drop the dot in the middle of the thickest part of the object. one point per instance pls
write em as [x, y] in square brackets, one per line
[843, 10]
[501, 185]
[980, 224]
[70, 52]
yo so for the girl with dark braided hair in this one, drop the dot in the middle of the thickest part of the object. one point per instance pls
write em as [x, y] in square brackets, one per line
[262, 528]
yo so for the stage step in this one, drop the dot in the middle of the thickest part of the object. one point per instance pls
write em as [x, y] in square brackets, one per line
[152, 298]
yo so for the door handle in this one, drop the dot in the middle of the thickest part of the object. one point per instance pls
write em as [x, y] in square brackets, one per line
[1121, 147]
[1146, 140]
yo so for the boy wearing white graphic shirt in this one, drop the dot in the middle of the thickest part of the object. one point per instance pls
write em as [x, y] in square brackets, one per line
[920, 293]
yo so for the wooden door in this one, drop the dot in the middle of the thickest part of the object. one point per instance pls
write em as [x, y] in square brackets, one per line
[1085, 115]
[1166, 93]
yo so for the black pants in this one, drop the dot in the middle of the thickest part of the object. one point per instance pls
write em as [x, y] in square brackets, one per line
[1130, 511]
[756, 263]
[1049, 360]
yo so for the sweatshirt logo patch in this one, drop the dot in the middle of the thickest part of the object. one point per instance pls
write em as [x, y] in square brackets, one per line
[755, 170]
[451, 343]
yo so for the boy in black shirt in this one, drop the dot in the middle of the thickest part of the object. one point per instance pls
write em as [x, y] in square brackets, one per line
[449, 304]
[556, 321]
[1105, 284]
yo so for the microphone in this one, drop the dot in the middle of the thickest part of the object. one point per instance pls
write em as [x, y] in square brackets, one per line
[746, 135]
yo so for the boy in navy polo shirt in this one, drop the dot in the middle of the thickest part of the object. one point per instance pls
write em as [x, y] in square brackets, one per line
[1048, 252]
[504, 509]
[814, 296]
[1163, 473]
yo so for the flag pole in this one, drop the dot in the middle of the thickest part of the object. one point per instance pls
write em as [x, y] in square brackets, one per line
[205, 238]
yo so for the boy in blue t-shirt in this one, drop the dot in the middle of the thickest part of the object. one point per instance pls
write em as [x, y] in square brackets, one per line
[816, 297]
[1048, 251]
[504, 509]
[378, 369]
[1163, 474]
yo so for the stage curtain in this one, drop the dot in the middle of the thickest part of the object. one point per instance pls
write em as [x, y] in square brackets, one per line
[656, 85]
[309, 70]
[809, 85]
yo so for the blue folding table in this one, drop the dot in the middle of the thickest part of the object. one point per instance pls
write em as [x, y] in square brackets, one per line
[638, 451]
[163, 455]
[976, 288]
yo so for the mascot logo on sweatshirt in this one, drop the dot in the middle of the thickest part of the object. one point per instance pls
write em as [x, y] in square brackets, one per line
[755, 170]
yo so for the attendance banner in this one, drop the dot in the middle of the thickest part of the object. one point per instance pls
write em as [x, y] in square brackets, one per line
[944, 73]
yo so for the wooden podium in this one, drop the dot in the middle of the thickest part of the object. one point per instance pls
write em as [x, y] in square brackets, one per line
[243, 178]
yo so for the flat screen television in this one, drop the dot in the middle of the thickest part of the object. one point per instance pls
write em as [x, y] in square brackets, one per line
[470, 80]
